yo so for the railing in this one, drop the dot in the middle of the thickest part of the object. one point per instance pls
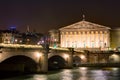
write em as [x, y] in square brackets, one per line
[19, 45]
[27, 46]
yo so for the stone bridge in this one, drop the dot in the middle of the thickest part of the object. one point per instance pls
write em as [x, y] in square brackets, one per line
[34, 58]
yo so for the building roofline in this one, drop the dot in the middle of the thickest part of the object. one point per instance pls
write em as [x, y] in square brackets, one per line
[90, 25]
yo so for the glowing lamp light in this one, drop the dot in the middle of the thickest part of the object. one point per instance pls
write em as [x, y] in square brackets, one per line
[16, 40]
[38, 43]
[82, 56]
[55, 40]
[38, 54]
[115, 56]
[66, 56]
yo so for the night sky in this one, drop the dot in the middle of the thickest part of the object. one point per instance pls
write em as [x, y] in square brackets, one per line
[43, 15]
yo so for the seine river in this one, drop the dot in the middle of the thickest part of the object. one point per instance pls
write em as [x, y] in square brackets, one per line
[81, 73]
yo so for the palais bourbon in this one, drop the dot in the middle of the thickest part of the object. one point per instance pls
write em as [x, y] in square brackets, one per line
[85, 34]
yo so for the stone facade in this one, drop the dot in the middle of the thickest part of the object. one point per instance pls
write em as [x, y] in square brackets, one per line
[115, 38]
[85, 34]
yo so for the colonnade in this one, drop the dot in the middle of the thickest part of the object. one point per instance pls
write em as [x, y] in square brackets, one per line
[85, 39]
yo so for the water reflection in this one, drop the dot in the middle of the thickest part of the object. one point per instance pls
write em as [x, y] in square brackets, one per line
[81, 73]
[66, 75]
[99, 75]
[39, 77]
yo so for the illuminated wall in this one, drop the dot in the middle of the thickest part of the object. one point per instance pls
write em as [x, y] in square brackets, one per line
[6, 37]
[85, 39]
[115, 38]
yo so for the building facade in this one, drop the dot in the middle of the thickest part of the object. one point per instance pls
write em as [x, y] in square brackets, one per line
[9, 37]
[115, 38]
[15, 37]
[54, 38]
[85, 34]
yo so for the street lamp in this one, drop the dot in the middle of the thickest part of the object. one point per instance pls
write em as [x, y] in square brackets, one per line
[55, 43]
[16, 41]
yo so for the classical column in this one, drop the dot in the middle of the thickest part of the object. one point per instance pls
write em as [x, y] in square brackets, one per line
[76, 39]
[61, 40]
[97, 39]
[84, 40]
[79, 39]
[101, 39]
[108, 38]
[70, 40]
[88, 39]
[92, 39]
[105, 39]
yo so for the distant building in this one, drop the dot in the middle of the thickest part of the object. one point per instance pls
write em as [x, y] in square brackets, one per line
[12, 36]
[54, 38]
[85, 34]
[31, 38]
[9, 36]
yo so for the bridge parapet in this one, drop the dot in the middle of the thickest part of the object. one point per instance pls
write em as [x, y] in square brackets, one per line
[19, 46]
[23, 46]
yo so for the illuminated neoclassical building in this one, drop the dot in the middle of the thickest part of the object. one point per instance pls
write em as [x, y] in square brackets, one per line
[85, 34]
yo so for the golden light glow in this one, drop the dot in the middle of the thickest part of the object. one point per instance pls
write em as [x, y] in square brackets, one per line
[20, 45]
[66, 56]
[28, 46]
[38, 55]
[115, 58]
[82, 56]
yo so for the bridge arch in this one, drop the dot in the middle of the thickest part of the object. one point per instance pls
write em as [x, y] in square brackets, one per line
[32, 55]
[19, 63]
[56, 62]
[76, 60]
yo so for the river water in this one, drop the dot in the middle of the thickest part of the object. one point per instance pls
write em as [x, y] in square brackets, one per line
[81, 73]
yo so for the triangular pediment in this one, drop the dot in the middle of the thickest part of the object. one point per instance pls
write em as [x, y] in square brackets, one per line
[84, 25]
